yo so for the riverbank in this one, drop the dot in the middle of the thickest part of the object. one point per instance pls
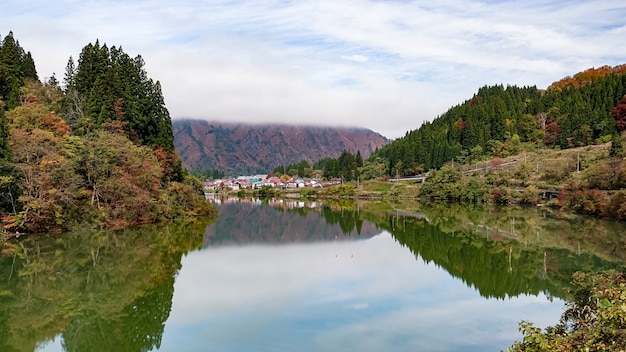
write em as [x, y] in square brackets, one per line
[583, 180]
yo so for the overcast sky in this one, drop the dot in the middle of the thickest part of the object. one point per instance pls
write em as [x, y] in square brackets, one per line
[385, 65]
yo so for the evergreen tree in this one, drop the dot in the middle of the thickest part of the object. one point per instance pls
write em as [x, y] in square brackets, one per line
[4, 135]
[359, 159]
[108, 85]
[617, 149]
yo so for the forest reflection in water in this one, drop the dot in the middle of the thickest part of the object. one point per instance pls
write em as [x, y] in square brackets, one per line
[300, 276]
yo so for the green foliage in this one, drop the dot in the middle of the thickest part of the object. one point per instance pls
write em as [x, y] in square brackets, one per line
[308, 193]
[4, 135]
[442, 185]
[604, 174]
[212, 174]
[346, 166]
[112, 165]
[16, 66]
[558, 170]
[266, 192]
[617, 149]
[344, 190]
[301, 169]
[373, 169]
[100, 290]
[502, 120]
[595, 319]
[108, 85]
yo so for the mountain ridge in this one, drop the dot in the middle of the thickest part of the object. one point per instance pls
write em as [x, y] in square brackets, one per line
[253, 148]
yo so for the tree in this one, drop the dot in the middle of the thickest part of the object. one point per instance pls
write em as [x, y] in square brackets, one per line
[617, 149]
[619, 114]
[4, 135]
[15, 67]
[359, 159]
[107, 82]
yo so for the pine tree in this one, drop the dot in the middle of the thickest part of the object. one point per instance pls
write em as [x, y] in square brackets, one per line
[109, 85]
[359, 159]
[4, 135]
[617, 149]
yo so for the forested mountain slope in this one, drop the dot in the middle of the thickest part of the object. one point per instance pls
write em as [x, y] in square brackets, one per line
[575, 111]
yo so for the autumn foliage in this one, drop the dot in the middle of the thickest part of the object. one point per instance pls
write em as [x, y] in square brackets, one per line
[587, 76]
[59, 169]
[619, 114]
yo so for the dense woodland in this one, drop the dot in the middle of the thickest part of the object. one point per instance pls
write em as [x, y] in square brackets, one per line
[97, 149]
[588, 108]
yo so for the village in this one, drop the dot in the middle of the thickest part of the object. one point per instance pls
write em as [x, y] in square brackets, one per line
[260, 181]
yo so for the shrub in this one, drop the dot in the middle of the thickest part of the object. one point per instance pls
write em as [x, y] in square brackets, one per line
[585, 201]
[500, 196]
[595, 319]
[616, 208]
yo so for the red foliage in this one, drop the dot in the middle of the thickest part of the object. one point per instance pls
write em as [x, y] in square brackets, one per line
[619, 114]
[499, 196]
[495, 162]
[551, 134]
[586, 201]
[170, 164]
[616, 207]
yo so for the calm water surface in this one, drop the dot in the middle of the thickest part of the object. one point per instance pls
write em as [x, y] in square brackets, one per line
[301, 277]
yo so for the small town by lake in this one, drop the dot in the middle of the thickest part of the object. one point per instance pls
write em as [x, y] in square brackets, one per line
[302, 276]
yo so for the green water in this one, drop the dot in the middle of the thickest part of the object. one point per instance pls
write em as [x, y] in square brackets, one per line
[298, 276]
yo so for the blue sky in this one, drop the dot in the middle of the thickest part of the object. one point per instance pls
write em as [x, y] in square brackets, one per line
[384, 65]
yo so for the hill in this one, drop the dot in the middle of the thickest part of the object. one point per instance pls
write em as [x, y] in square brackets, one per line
[499, 121]
[99, 152]
[246, 148]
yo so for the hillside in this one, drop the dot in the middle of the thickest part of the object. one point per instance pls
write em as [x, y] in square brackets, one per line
[498, 120]
[245, 148]
[99, 152]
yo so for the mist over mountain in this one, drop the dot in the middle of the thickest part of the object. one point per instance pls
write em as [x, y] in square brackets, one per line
[256, 148]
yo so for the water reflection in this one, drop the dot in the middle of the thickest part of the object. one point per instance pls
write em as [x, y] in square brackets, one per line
[301, 297]
[96, 291]
[301, 276]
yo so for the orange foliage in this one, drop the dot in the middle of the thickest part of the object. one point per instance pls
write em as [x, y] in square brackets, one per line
[52, 122]
[587, 76]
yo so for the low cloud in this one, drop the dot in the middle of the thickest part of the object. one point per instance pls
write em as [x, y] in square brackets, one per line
[353, 62]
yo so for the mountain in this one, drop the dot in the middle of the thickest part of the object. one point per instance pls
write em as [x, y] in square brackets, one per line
[246, 148]
[247, 223]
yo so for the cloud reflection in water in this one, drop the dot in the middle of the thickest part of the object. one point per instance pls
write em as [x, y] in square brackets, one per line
[365, 295]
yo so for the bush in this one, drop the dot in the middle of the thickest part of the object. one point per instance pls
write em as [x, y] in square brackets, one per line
[616, 208]
[474, 192]
[584, 201]
[530, 195]
[500, 196]
[595, 319]
[265, 192]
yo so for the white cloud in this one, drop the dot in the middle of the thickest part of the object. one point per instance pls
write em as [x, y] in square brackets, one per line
[356, 58]
[338, 296]
[386, 65]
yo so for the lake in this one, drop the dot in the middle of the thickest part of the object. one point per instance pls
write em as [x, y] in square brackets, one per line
[302, 276]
